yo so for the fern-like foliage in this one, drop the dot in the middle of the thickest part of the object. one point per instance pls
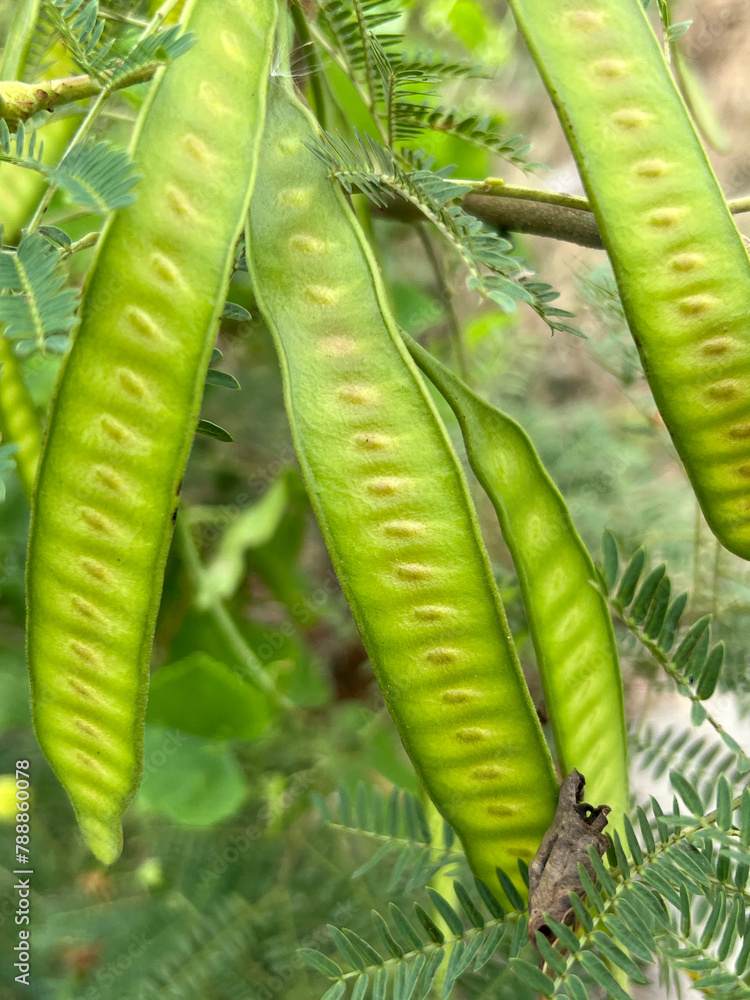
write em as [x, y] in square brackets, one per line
[401, 89]
[702, 759]
[399, 827]
[110, 57]
[95, 176]
[38, 311]
[648, 608]
[674, 894]
[407, 954]
[494, 271]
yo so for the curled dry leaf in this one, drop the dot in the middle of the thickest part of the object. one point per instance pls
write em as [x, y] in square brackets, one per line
[553, 874]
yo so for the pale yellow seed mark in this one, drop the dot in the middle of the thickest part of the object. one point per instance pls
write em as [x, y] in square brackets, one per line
[369, 441]
[386, 486]
[94, 569]
[442, 654]
[179, 202]
[688, 262]
[211, 97]
[611, 69]
[584, 20]
[143, 324]
[231, 47]
[740, 432]
[288, 146]
[339, 347]
[321, 295]
[472, 734]
[651, 168]
[632, 119]
[89, 762]
[307, 243]
[97, 521]
[487, 772]
[666, 218]
[295, 197]
[86, 728]
[717, 346]
[458, 696]
[412, 571]
[500, 809]
[725, 391]
[432, 612]
[697, 305]
[110, 479]
[358, 395]
[80, 689]
[132, 384]
[196, 148]
[118, 432]
[404, 529]
[85, 609]
[166, 269]
[86, 653]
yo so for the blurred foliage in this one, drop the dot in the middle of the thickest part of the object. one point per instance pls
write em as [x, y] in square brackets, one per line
[227, 868]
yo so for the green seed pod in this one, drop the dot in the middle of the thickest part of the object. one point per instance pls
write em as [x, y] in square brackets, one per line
[681, 267]
[568, 618]
[394, 508]
[126, 410]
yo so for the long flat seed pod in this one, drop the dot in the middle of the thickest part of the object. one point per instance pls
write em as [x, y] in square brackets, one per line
[680, 264]
[394, 508]
[568, 618]
[126, 410]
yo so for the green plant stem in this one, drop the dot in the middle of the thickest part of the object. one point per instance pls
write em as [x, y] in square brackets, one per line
[531, 211]
[314, 68]
[20, 101]
[252, 668]
[446, 296]
[441, 853]
[335, 57]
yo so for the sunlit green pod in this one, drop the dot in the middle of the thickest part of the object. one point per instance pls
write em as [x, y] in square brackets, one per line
[394, 508]
[681, 267]
[126, 409]
[568, 617]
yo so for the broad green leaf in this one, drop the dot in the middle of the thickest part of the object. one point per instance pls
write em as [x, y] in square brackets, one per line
[202, 696]
[246, 529]
[192, 780]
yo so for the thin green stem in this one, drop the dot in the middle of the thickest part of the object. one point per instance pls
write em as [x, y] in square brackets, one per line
[252, 668]
[664, 661]
[442, 853]
[446, 297]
